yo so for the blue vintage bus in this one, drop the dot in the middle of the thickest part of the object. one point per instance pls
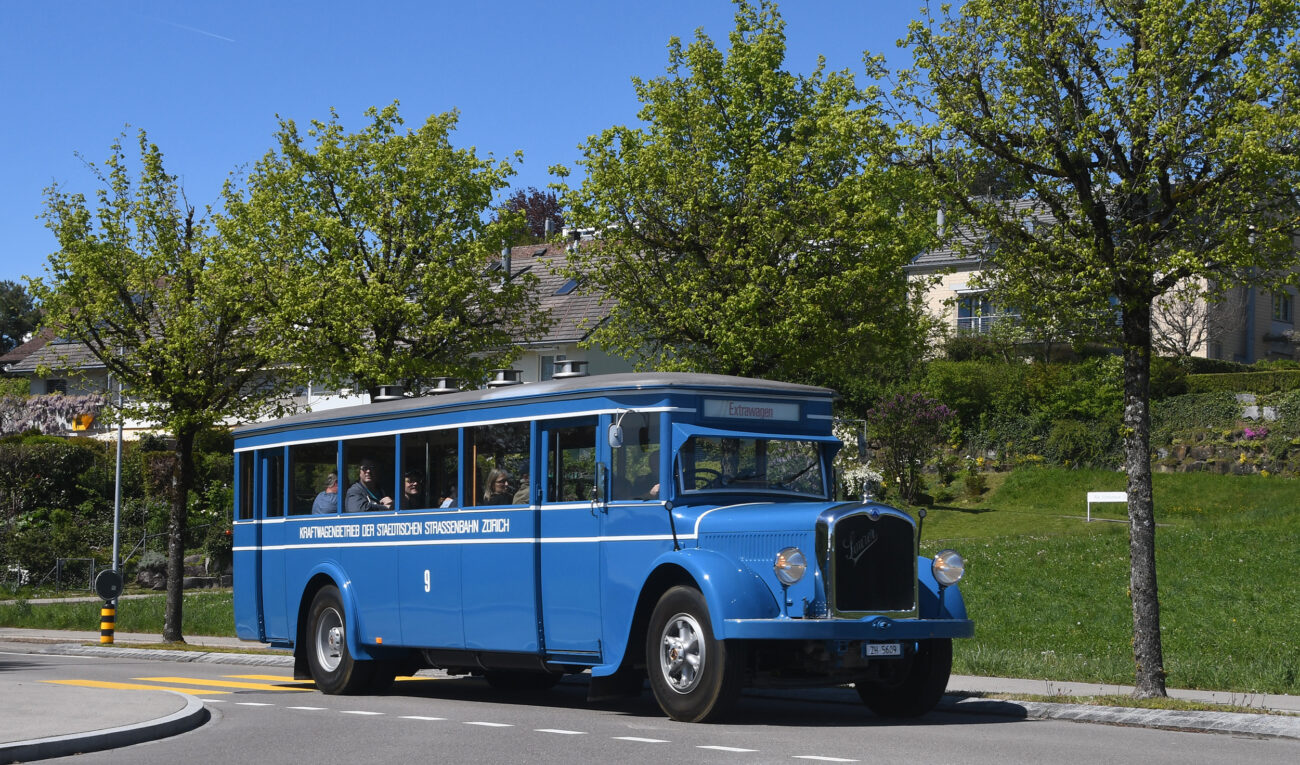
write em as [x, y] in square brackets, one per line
[678, 528]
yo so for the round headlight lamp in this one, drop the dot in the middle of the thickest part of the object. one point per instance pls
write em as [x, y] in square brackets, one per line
[948, 567]
[790, 565]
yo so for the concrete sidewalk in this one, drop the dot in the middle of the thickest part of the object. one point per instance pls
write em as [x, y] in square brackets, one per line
[44, 720]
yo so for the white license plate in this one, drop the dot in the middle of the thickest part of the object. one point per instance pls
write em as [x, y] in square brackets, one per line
[881, 649]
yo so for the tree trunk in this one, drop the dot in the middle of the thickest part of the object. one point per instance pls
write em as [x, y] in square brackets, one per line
[177, 525]
[1148, 655]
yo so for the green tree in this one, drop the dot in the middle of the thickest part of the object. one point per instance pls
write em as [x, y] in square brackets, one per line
[166, 307]
[753, 224]
[18, 316]
[377, 249]
[1148, 143]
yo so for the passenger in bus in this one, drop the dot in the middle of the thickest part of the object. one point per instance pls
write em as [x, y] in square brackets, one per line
[498, 491]
[367, 493]
[327, 501]
[413, 489]
[521, 496]
[449, 497]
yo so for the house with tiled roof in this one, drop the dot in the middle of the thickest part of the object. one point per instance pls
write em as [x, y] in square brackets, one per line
[55, 366]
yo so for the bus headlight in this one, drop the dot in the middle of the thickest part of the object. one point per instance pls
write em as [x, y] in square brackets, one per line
[790, 565]
[948, 567]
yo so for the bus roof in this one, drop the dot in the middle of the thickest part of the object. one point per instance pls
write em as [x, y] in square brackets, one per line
[592, 385]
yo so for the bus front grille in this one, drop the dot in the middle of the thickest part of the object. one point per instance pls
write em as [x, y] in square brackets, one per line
[873, 564]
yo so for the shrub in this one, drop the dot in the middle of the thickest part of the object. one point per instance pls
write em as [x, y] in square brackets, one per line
[1076, 444]
[909, 428]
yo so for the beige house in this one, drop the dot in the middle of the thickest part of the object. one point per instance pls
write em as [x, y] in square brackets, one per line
[1246, 325]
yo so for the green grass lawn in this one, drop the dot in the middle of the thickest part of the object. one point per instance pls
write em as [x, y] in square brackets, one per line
[1048, 592]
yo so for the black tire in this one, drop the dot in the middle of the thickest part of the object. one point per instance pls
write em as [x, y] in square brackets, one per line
[522, 682]
[694, 677]
[331, 664]
[919, 688]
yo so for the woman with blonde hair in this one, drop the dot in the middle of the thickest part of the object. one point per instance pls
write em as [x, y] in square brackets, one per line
[497, 490]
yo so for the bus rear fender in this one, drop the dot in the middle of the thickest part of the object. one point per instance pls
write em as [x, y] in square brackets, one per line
[325, 573]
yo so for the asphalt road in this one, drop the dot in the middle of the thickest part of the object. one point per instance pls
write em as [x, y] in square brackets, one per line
[260, 715]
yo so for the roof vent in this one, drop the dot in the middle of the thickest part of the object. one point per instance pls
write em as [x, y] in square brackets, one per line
[443, 385]
[566, 368]
[388, 393]
[504, 377]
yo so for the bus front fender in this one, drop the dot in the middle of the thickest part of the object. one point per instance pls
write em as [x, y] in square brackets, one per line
[729, 587]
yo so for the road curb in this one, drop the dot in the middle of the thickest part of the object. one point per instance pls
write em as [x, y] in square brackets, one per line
[161, 654]
[190, 717]
[1262, 725]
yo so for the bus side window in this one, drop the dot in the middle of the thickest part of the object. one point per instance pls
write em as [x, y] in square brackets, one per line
[313, 468]
[636, 462]
[571, 463]
[368, 492]
[429, 463]
[246, 460]
[496, 468]
[273, 480]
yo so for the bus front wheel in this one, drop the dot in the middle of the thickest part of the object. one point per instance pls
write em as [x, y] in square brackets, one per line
[919, 687]
[332, 665]
[695, 677]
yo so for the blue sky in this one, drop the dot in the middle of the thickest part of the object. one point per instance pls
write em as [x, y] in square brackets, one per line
[206, 79]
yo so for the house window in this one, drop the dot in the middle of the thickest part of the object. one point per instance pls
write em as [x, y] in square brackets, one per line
[56, 386]
[975, 313]
[1282, 307]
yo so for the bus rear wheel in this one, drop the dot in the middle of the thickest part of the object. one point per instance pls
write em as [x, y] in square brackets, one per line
[332, 665]
[694, 676]
[919, 688]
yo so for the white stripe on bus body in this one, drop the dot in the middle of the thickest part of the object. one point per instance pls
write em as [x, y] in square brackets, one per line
[471, 541]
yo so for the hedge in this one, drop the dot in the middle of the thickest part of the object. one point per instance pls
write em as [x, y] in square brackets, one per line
[1273, 381]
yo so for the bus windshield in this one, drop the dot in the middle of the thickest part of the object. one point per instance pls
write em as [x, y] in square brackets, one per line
[791, 466]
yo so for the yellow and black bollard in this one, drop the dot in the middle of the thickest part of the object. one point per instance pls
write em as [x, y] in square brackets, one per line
[107, 618]
[108, 585]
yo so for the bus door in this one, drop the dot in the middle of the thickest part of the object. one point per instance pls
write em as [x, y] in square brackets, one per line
[270, 484]
[571, 520]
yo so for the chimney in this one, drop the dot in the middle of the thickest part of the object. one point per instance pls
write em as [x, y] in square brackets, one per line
[503, 377]
[566, 368]
[505, 262]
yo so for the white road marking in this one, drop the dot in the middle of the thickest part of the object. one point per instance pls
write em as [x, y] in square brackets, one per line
[564, 732]
[821, 759]
[491, 724]
[726, 748]
[253, 704]
[641, 740]
[357, 712]
[420, 717]
[310, 709]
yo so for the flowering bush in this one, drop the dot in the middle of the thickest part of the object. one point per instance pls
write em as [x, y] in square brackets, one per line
[1253, 434]
[909, 428]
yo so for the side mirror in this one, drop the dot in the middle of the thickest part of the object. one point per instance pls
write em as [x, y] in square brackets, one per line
[615, 436]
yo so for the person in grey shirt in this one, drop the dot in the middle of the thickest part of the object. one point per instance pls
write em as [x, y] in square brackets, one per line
[367, 493]
[327, 501]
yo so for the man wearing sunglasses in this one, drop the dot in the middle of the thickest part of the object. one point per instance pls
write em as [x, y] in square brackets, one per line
[368, 492]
